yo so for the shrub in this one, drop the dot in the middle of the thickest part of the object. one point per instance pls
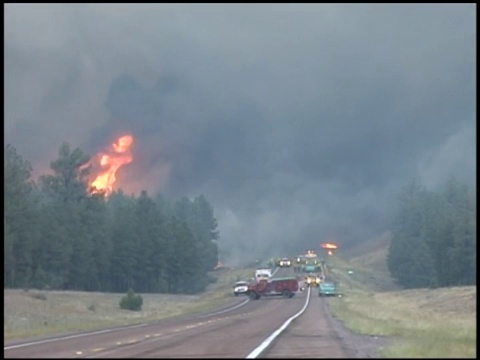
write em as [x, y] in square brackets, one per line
[131, 301]
[39, 296]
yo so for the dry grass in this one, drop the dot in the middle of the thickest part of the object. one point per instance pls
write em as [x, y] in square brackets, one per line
[39, 313]
[427, 323]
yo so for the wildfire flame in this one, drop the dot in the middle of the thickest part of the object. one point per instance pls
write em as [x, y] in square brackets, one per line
[110, 162]
[328, 246]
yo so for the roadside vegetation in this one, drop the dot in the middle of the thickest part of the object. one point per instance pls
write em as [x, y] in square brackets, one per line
[60, 236]
[70, 255]
[35, 313]
[434, 236]
[421, 323]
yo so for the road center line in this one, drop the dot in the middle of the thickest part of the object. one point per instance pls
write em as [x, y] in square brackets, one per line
[277, 332]
[71, 337]
[114, 329]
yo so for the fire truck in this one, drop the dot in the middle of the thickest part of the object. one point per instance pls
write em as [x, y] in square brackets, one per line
[311, 263]
[282, 286]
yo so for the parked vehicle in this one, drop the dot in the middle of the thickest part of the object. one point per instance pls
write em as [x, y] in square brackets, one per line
[285, 286]
[327, 289]
[298, 263]
[240, 287]
[285, 262]
[312, 280]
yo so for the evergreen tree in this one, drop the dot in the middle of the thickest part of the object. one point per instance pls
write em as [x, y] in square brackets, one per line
[204, 226]
[54, 248]
[58, 236]
[19, 219]
[66, 189]
[8, 256]
[99, 224]
[199, 217]
[124, 251]
[461, 252]
[434, 239]
[185, 265]
[149, 242]
[69, 181]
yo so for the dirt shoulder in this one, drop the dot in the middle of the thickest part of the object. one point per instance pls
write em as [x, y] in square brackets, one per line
[359, 345]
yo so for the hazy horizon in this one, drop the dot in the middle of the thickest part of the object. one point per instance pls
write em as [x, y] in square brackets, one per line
[299, 122]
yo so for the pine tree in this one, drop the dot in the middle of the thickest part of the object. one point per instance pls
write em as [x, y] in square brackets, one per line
[67, 191]
[124, 251]
[19, 218]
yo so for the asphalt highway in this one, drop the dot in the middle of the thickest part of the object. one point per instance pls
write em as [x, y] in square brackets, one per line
[233, 333]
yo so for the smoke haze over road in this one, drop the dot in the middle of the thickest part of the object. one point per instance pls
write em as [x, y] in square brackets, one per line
[299, 123]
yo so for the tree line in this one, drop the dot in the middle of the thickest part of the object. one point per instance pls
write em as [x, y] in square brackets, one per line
[59, 236]
[434, 237]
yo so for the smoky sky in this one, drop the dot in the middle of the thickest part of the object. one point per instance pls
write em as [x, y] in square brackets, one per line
[299, 123]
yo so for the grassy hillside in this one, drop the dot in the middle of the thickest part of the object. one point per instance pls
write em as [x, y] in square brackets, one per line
[421, 323]
[40, 313]
[369, 265]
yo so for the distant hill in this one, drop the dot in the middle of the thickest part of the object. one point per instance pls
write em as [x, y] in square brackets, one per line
[367, 247]
[369, 261]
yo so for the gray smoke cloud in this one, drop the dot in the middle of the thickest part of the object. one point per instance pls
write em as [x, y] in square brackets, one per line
[299, 123]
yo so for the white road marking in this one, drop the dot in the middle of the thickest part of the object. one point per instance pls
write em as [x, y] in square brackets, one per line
[277, 332]
[226, 310]
[108, 330]
[69, 337]
[115, 329]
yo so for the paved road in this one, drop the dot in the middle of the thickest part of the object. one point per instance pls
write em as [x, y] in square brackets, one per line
[233, 334]
[309, 336]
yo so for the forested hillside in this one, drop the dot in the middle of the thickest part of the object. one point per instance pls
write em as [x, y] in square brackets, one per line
[434, 237]
[58, 235]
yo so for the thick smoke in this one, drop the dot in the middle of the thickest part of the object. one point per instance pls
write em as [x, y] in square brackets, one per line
[298, 122]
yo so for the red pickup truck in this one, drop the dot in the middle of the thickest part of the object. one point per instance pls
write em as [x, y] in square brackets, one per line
[285, 286]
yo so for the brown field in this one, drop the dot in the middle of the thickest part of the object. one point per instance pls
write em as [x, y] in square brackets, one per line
[431, 323]
[427, 323]
[39, 313]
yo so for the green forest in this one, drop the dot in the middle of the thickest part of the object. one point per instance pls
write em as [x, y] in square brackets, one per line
[59, 236]
[434, 237]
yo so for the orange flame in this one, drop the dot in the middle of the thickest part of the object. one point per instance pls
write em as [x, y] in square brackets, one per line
[328, 246]
[116, 157]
